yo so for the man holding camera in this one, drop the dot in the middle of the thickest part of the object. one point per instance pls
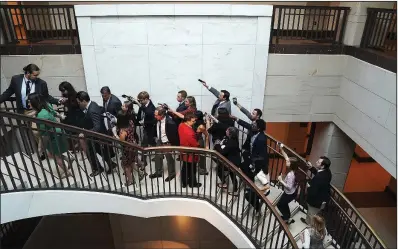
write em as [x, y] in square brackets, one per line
[222, 99]
[318, 188]
[254, 116]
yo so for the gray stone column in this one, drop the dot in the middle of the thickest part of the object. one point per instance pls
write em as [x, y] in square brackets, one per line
[330, 141]
[117, 231]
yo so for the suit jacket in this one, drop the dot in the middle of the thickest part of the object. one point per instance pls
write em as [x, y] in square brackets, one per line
[171, 131]
[217, 104]
[93, 119]
[16, 86]
[248, 127]
[217, 130]
[114, 105]
[149, 119]
[259, 150]
[230, 149]
[181, 107]
[188, 138]
[319, 190]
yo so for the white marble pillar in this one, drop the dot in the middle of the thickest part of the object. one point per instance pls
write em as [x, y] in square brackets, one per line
[330, 141]
[357, 18]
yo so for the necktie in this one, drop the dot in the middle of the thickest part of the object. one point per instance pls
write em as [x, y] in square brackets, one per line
[27, 92]
[106, 105]
[160, 131]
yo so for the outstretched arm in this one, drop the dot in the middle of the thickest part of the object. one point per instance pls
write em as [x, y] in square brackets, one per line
[214, 91]
[284, 155]
[242, 109]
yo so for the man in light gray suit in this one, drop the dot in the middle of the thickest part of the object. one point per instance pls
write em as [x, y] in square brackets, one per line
[222, 99]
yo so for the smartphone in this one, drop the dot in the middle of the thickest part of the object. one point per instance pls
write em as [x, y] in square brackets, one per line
[201, 81]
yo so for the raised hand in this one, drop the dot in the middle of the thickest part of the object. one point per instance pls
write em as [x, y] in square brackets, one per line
[203, 83]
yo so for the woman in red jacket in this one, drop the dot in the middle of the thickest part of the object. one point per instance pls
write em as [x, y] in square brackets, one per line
[188, 138]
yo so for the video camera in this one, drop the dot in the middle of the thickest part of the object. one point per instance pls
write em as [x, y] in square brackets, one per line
[164, 106]
[131, 99]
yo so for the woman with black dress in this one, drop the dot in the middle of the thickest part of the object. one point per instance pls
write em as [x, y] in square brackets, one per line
[74, 116]
[229, 147]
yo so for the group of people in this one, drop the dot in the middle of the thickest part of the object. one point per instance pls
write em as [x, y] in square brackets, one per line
[164, 126]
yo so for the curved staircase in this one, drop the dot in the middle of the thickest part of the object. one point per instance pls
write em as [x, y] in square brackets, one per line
[21, 169]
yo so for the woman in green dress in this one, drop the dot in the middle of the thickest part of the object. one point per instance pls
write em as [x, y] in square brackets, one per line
[54, 142]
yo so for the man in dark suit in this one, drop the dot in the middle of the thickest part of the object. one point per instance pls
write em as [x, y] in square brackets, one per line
[167, 135]
[258, 146]
[24, 84]
[318, 188]
[222, 99]
[256, 115]
[181, 96]
[111, 103]
[146, 118]
[257, 161]
[93, 121]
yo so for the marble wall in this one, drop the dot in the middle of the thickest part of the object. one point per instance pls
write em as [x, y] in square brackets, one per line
[166, 48]
[54, 70]
[301, 87]
[358, 97]
[367, 110]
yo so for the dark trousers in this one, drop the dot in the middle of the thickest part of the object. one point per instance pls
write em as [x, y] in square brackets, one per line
[170, 162]
[222, 173]
[188, 174]
[104, 151]
[147, 140]
[202, 159]
[250, 195]
[283, 205]
[253, 199]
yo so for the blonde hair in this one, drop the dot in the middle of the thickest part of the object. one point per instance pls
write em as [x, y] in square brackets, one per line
[318, 224]
[192, 101]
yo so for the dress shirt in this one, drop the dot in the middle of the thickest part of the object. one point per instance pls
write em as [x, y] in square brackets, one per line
[106, 104]
[162, 136]
[85, 110]
[23, 90]
[253, 138]
[290, 180]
